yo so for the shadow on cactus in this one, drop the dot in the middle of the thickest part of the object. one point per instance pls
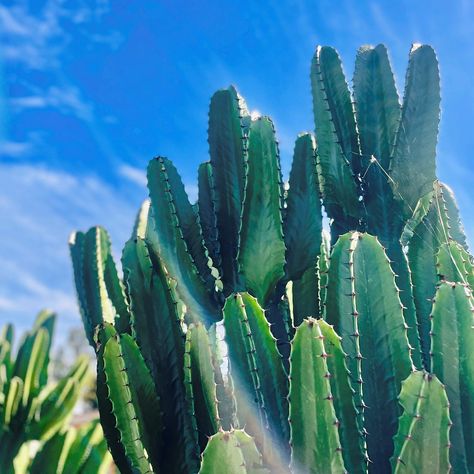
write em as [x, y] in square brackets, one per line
[35, 436]
[244, 338]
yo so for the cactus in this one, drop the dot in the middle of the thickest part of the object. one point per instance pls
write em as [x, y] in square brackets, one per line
[315, 442]
[364, 306]
[30, 407]
[236, 451]
[452, 340]
[435, 223]
[243, 338]
[424, 422]
[376, 158]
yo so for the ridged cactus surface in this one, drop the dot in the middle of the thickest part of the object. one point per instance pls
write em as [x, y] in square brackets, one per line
[424, 422]
[244, 338]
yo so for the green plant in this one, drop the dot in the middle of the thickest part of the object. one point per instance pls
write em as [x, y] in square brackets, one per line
[30, 408]
[213, 328]
[70, 451]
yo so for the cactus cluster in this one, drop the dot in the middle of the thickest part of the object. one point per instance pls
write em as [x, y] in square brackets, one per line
[34, 414]
[244, 339]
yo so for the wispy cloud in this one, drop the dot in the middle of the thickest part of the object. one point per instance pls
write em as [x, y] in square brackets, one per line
[132, 174]
[39, 209]
[14, 149]
[37, 40]
[67, 99]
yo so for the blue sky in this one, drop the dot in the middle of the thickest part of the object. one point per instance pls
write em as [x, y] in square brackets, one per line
[91, 90]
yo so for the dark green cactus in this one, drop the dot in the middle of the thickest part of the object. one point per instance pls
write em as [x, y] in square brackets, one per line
[30, 407]
[217, 325]
[201, 387]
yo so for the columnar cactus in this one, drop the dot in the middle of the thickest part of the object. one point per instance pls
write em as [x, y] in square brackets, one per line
[242, 339]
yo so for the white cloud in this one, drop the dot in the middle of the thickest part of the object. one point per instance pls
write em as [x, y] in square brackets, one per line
[37, 40]
[39, 208]
[132, 174]
[67, 99]
[14, 149]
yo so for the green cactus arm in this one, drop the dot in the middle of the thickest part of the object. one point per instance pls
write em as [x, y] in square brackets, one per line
[413, 166]
[323, 269]
[378, 114]
[226, 404]
[124, 408]
[404, 281]
[55, 403]
[100, 292]
[52, 456]
[329, 74]
[453, 263]
[304, 296]
[421, 210]
[200, 383]
[303, 217]
[438, 223]
[352, 441]
[173, 239]
[228, 123]
[115, 287]
[336, 137]
[257, 370]
[422, 440]
[188, 222]
[223, 449]
[261, 254]
[157, 317]
[377, 105]
[107, 419]
[145, 400]
[315, 443]
[236, 451]
[449, 206]
[364, 306]
[76, 251]
[252, 456]
[452, 343]
[207, 212]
